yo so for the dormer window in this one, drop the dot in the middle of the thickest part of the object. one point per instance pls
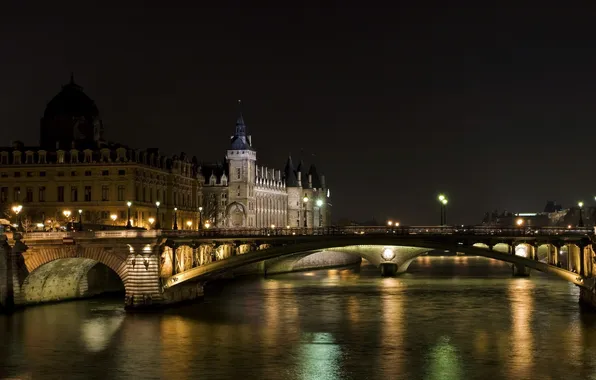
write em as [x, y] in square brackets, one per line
[88, 156]
[212, 179]
[28, 157]
[74, 156]
[105, 155]
[4, 158]
[224, 180]
[121, 154]
[16, 157]
[42, 157]
[60, 155]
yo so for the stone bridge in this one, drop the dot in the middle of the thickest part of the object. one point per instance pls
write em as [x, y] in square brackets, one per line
[159, 267]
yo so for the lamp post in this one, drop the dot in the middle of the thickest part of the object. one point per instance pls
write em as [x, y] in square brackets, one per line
[304, 202]
[128, 224]
[157, 224]
[67, 214]
[443, 200]
[17, 209]
[80, 220]
[320, 206]
[113, 217]
[581, 220]
[175, 218]
[200, 217]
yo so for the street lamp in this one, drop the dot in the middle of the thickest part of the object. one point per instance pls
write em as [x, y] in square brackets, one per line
[17, 209]
[189, 224]
[320, 206]
[200, 216]
[519, 222]
[157, 224]
[128, 223]
[207, 224]
[443, 200]
[581, 220]
[80, 220]
[389, 223]
[304, 201]
[151, 220]
[175, 218]
[113, 217]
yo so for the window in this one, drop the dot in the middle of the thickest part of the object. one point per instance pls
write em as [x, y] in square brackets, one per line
[123, 215]
[87, 193]
[74, 194]
[87, 173]
[4, 194]
[60, 174]
[105, 191]
[29, 194]
[17, 174]
[4, 175]
[105, 172]
[238, 190]
[29, 174]
[60, 193]
[121, 193]
[73, 174]
[122, 172]
[42, 174]
[4, 159]
[238, 173]
[137, 193]
[16, 194]
[105, 215]
[42, 194]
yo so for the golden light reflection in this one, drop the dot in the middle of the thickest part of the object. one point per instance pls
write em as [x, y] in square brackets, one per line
[521, 342]
[96, 333]
[444, 361]
[176, 345]
[392, 359]
[353, 309]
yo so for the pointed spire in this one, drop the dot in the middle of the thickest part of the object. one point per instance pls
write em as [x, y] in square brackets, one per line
[240, 140]
[240, 126]
[316, 181]
[290, 174]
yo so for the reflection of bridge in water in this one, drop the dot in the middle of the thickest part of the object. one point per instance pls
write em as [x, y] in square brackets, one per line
[161, 267]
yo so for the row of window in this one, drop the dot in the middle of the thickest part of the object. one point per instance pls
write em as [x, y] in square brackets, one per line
[73, 173]
[60, 194]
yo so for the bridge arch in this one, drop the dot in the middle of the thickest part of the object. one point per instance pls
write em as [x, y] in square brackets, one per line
[418, 247]
[55, 274]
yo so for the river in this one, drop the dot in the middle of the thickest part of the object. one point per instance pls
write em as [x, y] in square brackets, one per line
[447, 318]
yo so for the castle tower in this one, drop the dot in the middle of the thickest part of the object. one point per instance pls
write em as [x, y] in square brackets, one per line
[241, 157]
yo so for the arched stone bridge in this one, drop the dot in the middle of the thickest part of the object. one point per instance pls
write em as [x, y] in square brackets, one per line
[162, 267]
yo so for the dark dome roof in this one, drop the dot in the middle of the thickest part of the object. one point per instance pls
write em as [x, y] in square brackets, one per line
[71, 102]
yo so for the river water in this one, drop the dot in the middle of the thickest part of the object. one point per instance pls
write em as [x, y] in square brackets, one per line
[448, 318]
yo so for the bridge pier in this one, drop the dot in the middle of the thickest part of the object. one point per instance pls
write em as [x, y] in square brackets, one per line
[388, 269]
[519, 270]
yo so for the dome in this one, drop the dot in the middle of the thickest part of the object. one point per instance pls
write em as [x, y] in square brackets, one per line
[71, 102]
[70, 118]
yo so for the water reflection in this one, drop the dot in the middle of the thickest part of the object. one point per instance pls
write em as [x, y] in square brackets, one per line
[444, 361]
[452, 317]
[521, 347]
[319, 356]
[97, 332]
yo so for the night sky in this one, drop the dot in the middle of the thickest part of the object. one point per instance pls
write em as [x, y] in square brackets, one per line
[494, 107]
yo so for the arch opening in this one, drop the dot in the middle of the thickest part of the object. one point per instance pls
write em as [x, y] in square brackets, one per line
[67, 279]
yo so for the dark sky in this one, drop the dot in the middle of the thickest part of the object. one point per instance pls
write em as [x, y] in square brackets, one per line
[493, 106]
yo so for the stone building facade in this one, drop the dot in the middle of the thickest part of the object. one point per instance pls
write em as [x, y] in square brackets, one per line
[240, 193]
[74, 168]
[74, 175]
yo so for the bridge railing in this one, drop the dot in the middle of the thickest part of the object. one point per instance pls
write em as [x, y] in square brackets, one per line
[325, 231]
